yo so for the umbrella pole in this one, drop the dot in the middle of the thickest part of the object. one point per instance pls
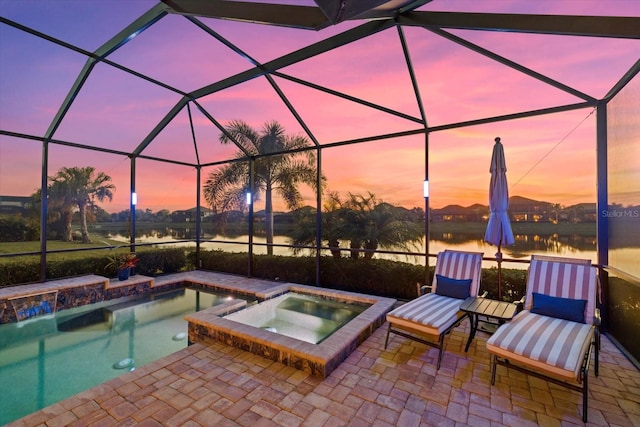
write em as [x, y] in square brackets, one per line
[499, 260]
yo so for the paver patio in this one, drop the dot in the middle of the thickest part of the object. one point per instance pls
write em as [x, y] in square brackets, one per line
[216, 385]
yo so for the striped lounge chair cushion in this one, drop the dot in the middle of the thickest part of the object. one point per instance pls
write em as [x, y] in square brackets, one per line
[553, 346]
[431, 314]
[459, 265]
[565, 280]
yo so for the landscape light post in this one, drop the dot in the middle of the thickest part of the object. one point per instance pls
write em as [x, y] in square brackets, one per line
[426, 192]
[132, 206]
[250, 213]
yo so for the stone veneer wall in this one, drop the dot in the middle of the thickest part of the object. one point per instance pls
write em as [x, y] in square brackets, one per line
[74, 293]
[82, 290]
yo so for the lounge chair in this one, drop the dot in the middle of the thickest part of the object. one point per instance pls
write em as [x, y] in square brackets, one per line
[553, 337]
[430, 317]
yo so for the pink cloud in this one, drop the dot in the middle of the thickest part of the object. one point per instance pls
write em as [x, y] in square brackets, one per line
[117, 111]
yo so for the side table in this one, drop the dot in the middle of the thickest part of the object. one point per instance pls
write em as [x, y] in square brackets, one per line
[499, 311]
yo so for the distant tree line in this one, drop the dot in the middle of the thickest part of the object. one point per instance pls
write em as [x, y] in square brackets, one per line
[280, 167]
[359, 223]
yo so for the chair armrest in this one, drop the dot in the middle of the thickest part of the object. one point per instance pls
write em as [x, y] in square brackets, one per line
[597, 320]
[519, 304]
[422, 289]
[596, 323]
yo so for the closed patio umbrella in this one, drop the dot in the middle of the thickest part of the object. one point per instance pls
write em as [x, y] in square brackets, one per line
[499, 231]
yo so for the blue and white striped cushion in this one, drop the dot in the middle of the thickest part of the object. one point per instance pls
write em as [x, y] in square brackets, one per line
[459, 265]
[565, 280]
[553, 345]
[430, 313]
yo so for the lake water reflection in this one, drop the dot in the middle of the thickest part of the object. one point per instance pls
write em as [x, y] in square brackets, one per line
[525, 246]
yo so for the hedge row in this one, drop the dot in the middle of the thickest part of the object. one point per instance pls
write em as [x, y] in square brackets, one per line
[15, 229]
[152, 262]
[375, 277]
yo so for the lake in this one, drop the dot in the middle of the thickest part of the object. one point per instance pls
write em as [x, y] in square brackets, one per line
[525, 246]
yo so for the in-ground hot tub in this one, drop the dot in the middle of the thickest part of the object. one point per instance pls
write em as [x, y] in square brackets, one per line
[308, 328]
[310, 318]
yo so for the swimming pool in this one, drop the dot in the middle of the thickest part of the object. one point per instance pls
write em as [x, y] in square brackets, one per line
[49, 358]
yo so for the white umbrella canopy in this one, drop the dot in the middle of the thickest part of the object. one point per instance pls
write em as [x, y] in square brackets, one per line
[499, 231]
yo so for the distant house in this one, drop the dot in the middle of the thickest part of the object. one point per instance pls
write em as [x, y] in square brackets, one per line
[581, 212]
[457, 213]
[190, 215]
[14, 204]
[522, 209]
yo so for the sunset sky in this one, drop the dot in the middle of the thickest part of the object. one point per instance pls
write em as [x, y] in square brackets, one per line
[550, 158]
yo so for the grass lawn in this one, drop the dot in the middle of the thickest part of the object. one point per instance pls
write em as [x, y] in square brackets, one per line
[55, 245]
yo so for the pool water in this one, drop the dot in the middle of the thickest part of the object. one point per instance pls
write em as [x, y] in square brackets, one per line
[52, 357]
[309, 318]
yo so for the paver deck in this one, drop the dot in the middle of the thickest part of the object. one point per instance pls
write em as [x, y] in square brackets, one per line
[216, 385]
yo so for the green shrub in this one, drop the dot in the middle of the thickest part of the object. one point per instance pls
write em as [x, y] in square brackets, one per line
[513, 283]
[17, 271]
[152, 263]
[285, 269]
[161, 261]
[375, 277]
[227, 262]
[18, 229]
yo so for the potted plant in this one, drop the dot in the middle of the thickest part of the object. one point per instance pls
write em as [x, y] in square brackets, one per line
[122, 263]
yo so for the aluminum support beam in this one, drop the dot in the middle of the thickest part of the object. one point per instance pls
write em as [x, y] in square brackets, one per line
[622, 27]
[304, 17]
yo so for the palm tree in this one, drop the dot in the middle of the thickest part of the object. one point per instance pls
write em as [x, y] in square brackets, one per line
[80, 188]
[305, 231]
[280, 174]
[365, 222]
[371, 223]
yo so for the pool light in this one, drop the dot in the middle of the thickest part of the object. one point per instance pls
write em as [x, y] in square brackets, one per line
[179, 336]
[124, 364]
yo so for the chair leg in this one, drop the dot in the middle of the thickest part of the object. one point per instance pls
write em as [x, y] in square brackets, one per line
[585, 393]
[596, 364]
[440, 350]
[386, 341]
[473, 325]
[493, 369]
